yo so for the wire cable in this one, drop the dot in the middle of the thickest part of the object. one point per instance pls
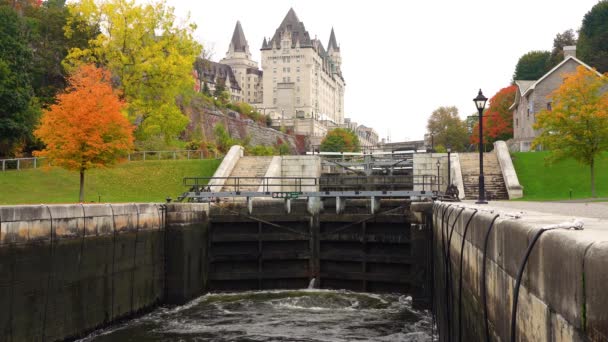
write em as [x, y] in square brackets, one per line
[449, 288]
[483, 279]
[464, 237]
[576, 224]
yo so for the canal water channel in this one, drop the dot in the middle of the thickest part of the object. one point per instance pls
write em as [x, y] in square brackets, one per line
[300, 315]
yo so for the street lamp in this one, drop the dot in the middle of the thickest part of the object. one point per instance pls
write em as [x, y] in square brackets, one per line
[480, 103]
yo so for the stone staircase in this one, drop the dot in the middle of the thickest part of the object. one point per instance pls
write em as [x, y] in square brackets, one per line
[493, 179]
[248, 167]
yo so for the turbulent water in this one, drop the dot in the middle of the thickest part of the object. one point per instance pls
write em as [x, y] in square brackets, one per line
[304, 315]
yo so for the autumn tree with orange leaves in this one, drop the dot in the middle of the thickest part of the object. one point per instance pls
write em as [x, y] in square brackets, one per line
[497, 119]
[86, 128]
[577, 124]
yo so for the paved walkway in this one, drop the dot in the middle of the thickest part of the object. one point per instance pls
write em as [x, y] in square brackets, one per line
[589, 209]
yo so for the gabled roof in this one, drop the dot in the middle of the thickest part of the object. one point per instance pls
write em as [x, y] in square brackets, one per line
[332, 42]
[526, 87]
[238, 42]
[531, 88]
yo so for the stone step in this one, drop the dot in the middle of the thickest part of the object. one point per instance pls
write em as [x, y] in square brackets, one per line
[493, 178]
[248, 167]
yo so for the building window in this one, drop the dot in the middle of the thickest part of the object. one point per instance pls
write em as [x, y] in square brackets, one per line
[549, 106]
[297, 100]
[274, 100]
[298, 79]
[516, 122]
[298, 69]
[274, 70]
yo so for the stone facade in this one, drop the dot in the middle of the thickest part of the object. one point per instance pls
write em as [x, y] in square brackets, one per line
[246, 70]
[534, 96]
[304, 80]
[301, 86]
[425, 171]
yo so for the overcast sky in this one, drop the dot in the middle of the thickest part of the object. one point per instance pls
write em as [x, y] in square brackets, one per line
[403, 59]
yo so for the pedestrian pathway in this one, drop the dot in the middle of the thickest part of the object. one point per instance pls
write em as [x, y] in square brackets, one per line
[575, 208]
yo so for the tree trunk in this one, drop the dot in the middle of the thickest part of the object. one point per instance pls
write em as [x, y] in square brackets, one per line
[81, 197]
[593, 179]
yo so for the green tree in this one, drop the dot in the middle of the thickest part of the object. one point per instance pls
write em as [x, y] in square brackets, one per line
[592, 44]
[149, 54]
[577, 125]
[566, 38]
[532, 66]
[447, 129]
[18, 113]
[340, 140]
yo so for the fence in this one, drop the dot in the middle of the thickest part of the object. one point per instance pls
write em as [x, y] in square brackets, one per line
[34, 162]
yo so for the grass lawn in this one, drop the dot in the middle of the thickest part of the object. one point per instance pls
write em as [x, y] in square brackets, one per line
[149, 181]
[542, 181]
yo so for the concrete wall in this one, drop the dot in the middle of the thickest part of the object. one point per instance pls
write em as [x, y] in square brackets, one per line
[301, 166]
[562, 297]
[425, 171]
[68, 269]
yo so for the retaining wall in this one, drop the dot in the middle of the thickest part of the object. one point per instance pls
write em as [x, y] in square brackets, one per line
[68, 269]
[562, 297]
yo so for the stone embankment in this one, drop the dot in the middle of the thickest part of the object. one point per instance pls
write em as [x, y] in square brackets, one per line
[205, 120]
[68, 269]
[563, 293]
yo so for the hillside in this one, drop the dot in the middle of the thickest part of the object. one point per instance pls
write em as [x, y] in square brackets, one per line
[542, 181]
[149, 181]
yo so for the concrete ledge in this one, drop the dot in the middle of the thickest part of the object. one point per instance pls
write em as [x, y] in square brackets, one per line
[21, 224]
[514, 189]
[225, 169]
[563, 289]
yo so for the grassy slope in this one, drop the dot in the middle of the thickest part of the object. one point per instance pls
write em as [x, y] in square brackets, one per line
[149, 181]
[553, 182]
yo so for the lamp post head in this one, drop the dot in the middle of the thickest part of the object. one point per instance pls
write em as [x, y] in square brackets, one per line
[449, 149]
[480, 101]
[438, 163]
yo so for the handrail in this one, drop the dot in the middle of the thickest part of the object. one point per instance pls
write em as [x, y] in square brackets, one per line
[35, 162]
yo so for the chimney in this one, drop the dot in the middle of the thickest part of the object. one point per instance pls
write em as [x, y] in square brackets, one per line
[569, 51]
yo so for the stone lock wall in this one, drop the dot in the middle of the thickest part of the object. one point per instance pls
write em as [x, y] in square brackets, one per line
[68, 269]
[562, 296]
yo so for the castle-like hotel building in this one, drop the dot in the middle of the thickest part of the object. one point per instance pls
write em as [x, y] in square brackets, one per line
[300, 86]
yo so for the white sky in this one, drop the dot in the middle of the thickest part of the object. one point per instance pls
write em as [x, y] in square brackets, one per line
[403, 59]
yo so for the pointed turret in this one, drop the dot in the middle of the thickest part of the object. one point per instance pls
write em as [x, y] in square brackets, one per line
[333, 51]
[264, 44]
[332, 42]
[238, 42]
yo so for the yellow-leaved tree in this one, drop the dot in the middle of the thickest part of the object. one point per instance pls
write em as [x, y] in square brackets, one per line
[150, 55]
[577, 124]
[86, 127]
